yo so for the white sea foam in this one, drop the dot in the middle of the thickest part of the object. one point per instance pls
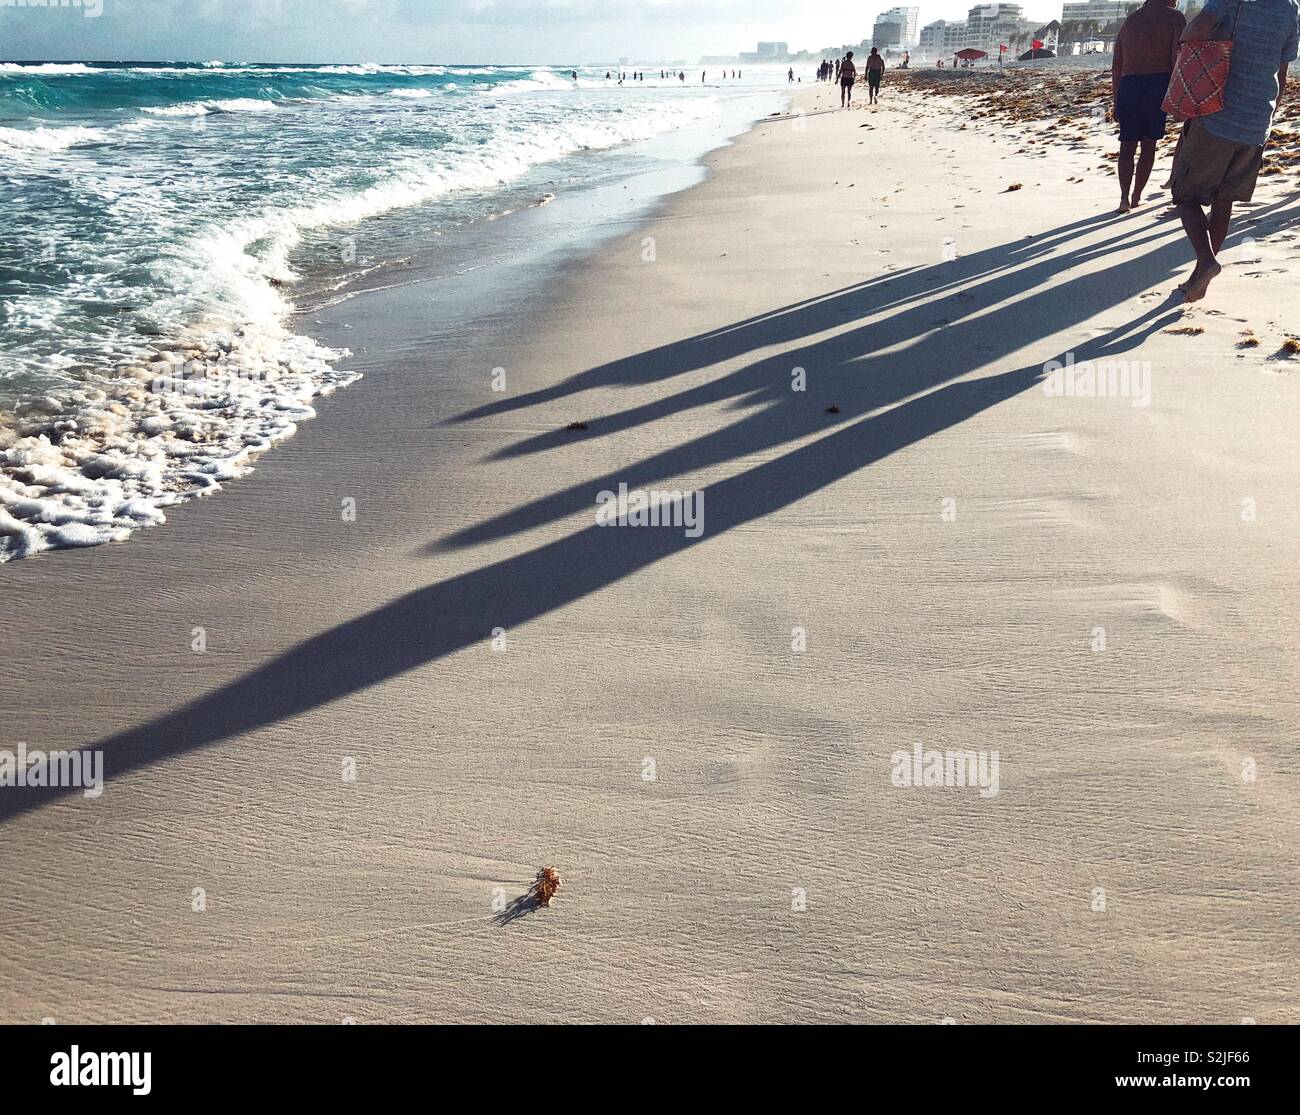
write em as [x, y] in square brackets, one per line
[545, 80]
[47, 68]
[278, 232]
[208, 108]
[94, 465]
[16, 141]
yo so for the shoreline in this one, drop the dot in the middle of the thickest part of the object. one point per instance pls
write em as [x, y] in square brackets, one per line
[508, 246]
[769, 869]
[185, 404]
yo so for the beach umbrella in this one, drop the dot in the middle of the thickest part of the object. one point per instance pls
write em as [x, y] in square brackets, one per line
[971, 53]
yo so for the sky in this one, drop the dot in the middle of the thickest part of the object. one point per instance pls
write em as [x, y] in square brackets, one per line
[436, 31]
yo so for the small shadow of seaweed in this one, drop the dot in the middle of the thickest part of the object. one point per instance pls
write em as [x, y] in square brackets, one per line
[538, 895]
[521, 907]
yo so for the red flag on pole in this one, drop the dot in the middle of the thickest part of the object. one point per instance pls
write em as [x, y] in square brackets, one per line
[1037, 44]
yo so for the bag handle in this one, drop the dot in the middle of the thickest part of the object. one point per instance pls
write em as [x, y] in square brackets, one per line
[1236, 15]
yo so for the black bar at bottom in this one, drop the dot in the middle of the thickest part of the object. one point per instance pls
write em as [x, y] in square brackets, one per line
[343, 1063]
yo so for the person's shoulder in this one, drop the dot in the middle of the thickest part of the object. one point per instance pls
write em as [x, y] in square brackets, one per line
[1290, 9]
[1158, 15]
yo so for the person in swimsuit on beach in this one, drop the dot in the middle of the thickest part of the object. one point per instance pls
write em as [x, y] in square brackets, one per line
[875, 71]
[848, 75]
[1145, 51]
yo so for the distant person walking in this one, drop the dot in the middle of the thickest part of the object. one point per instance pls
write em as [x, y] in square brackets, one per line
[848, 75]
[790, 78]
[875, 71]
[1145, 51]
[1219, 157]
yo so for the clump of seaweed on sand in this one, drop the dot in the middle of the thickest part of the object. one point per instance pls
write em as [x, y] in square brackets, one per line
[1068, 105]
[547, 883]
[538, 895]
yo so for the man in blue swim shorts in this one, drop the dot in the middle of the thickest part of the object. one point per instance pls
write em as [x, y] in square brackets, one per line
[1145, 51]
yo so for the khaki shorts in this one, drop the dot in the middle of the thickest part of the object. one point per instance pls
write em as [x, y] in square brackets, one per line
[1210, 169]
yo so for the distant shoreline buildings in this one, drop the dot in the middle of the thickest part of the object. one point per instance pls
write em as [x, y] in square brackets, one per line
[1085, 26]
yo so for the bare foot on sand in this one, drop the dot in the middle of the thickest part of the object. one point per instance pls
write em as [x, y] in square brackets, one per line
[1124, 206]
[1200, 281]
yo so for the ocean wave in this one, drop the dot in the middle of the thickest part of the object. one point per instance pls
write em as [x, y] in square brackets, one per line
[15, 141]
[134, 406]
[47, 68]
[545, 80]
[212, 108]
[415, 182]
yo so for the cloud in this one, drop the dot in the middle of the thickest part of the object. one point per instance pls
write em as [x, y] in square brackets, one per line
[421, 30]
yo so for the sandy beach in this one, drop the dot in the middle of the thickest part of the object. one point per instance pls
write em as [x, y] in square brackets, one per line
[424, 670]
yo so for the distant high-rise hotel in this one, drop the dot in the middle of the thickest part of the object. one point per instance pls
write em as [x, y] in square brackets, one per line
[898, 27]
[988, 27]
[942, 37]
[1100, 12]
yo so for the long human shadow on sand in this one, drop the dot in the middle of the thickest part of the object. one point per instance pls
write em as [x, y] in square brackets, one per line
[888, 290]
[430, 623]
[917, 287]
[921, 344]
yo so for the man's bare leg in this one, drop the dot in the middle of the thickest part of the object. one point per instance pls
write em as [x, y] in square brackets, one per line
[1127, 148]
[1178, 150]
[1220, 218]
[1197, 227]
[1146, 160]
